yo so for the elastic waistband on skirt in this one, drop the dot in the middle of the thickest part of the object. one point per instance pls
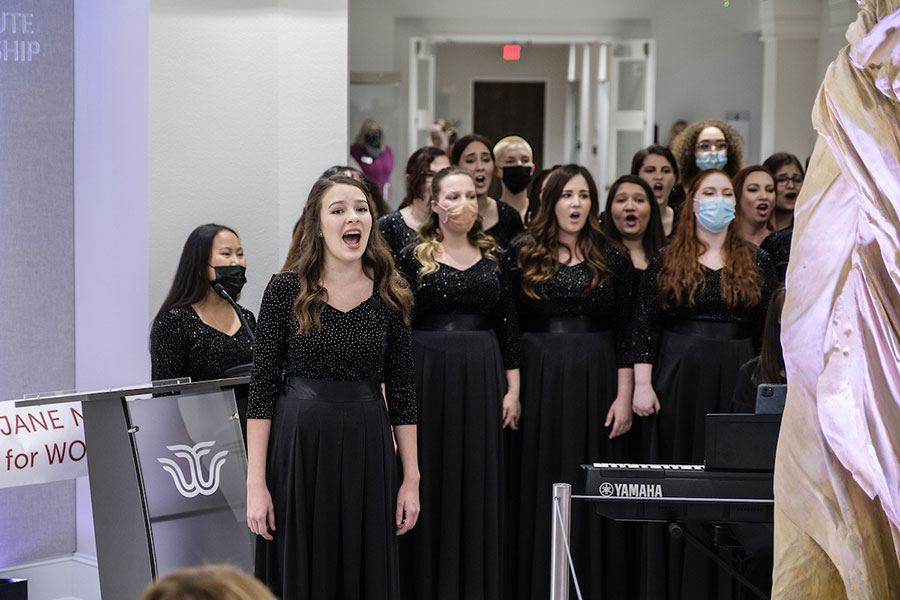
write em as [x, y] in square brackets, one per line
[564, 324]
[331, 391]
[453, 323]
[709, 329]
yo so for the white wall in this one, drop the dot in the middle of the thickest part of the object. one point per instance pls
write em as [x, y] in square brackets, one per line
[102, 331]
[708, 62]
[460, 65]
[111, 243]
[694, 80]
[248, 104]
[710, 58]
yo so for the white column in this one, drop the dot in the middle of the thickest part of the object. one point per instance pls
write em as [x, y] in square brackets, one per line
[312, 102]
[248, 105]
[790, 32]
[111, 244]
[836, 17]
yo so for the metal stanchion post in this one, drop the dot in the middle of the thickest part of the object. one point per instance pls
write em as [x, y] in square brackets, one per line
[559, 571]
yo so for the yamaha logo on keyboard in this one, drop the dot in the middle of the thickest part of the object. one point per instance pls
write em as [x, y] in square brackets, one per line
[631, 490]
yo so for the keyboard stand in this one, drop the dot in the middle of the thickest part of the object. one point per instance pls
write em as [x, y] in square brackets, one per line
[676, 530]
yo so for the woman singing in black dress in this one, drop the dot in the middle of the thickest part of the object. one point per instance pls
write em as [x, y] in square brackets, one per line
[498, 219]
[574, 308]
[321, 474]
[399, 227]
[464, 337]
[196, 332]
[700, 312]
[632, 218]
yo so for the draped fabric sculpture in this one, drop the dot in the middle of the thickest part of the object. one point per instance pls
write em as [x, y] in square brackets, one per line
[837, 477]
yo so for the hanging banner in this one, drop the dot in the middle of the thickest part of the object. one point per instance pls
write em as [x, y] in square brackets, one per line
[41, 443]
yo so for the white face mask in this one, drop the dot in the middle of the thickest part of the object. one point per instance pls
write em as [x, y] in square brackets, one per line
[714, 214]
[714, 159]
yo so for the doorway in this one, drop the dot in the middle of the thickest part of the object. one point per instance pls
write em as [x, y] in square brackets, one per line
[503, 108]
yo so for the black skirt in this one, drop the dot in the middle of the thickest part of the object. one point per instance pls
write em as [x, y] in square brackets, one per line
[569, 381]
[454, 551]
[694, 375]
[333, 479]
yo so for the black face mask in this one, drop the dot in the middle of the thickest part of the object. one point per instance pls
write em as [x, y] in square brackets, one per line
[373, 138]
[231, 278]
[516, 178]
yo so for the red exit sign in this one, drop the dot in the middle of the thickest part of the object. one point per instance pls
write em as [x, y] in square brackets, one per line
[512, 52]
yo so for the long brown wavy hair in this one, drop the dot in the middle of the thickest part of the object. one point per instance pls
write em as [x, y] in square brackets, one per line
[418, 168]
[681, 276]
[739, 181]
[431, 234]
[306, 257]
[539, 257]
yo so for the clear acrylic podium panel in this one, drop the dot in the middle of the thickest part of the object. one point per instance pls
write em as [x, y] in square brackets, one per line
[193, 467]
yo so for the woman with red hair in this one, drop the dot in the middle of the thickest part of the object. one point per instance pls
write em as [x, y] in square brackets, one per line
[700, 313]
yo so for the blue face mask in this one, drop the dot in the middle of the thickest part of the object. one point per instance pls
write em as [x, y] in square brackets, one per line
[716, 214]
[712, 159]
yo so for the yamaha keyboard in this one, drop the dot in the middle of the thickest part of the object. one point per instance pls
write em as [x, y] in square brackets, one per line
[669, 493]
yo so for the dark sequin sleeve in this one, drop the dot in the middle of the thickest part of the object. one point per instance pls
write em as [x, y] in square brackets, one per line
[182, 345]
[778, 246]
[399, 374]
[647, 319]
[169, 346]
[623, 304]
[508, 226]
[408, 266]
[271, 347]
[506, 319]
[395, 231]
[771, 281]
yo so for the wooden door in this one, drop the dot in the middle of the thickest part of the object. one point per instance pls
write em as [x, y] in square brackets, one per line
[503, 108]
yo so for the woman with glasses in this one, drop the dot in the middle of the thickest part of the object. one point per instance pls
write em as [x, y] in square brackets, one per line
[709, 144]
[788, 173]
[399, 227]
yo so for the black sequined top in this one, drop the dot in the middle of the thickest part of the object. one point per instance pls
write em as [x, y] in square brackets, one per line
[565, 296]
[482, 289]
[369, 342]
[778, 245]
[636, 276]
[650, 318]
[395, 231]
[182, 345]
[508, 226]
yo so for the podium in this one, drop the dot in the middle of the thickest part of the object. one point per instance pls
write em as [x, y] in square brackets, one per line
[167, 477]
